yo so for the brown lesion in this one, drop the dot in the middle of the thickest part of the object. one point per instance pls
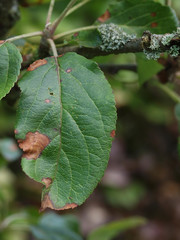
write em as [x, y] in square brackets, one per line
[33, 144]
[37, 64]
[104, 17]
[47, 181]
[47, 203]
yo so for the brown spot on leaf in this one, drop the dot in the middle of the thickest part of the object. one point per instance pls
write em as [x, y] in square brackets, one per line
[33, 144]
[76, 34]
[154, 24]
[153, 14]
[47, 203]
[47, 100]
[113, 133]
[104, 17]
[69, 70]
[37, 64]
[47, 181]
[68, 206]
[16, 131]
[61, 55]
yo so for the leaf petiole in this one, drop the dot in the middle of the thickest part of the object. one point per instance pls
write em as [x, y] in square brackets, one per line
[76, 7]
[51, 6]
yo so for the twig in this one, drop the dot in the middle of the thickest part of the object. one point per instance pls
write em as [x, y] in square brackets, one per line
[60, 35]
[168, 2]
[27, 35]
[51, 6]
[77, 6]
[61, 17]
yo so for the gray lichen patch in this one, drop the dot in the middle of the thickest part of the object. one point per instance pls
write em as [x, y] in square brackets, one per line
[113, 37]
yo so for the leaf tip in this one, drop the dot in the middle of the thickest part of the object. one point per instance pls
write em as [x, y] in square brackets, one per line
[47, 203]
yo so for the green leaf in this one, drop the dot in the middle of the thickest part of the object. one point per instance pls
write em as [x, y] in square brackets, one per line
[66, 126]
[53, 226]
[10, 64]
[88, 38]
[136, 16]
[109, 231]
[147, 68]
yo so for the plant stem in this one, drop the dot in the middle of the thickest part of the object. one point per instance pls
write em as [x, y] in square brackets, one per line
[168, 2]
[61, 17]
[77, 7]
[53, 47]
[74, 31]
[51, 6]
[27, 35]
[174, 96]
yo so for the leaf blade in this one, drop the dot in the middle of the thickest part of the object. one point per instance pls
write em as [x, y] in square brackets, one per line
[141, 15]
[78, 152]
[109, 231]
[10, 64]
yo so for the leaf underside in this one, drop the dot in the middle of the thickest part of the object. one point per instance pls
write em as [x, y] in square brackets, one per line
[64, 127]
[10, 64]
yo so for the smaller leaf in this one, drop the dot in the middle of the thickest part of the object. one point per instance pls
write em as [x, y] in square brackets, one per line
[136, 16]
[88, 38]
[147, 68]
[10, 64]
[109, 231]
[52, 226]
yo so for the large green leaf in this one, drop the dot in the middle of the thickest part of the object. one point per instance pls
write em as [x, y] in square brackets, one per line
[10, 64]
[67, 127]
[136, 16]
[109, 231]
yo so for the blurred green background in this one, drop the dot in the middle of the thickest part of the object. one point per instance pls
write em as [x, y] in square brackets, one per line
[143, 175]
